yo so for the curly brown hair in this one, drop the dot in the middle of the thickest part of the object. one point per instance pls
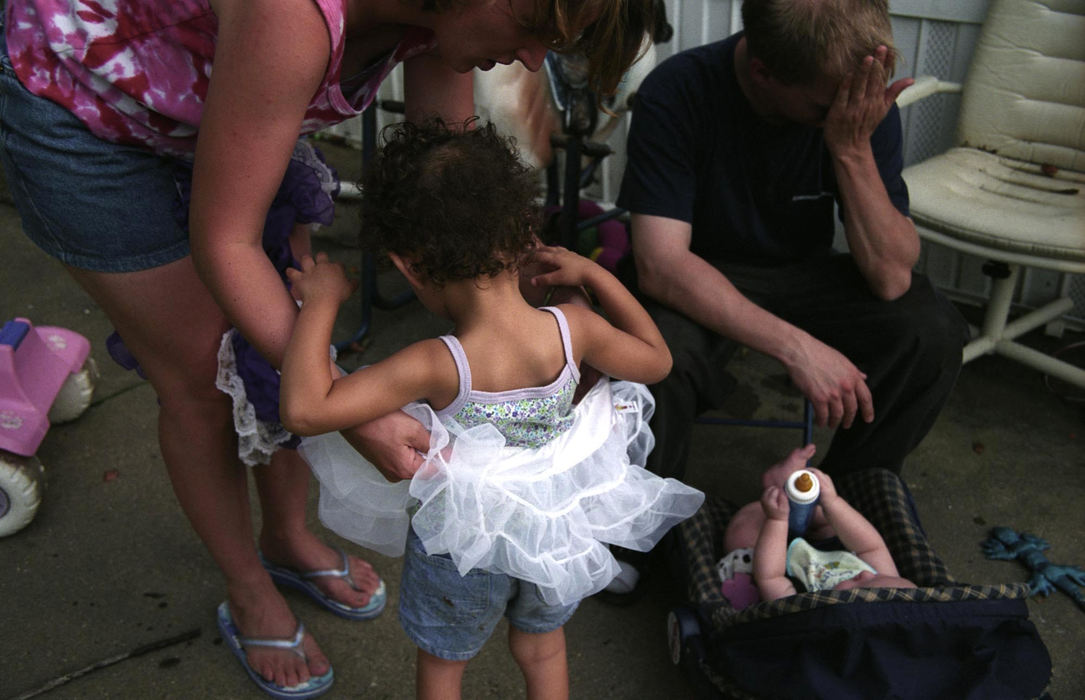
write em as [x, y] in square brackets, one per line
[456, 202]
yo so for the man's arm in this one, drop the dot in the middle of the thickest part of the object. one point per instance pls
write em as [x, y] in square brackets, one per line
[883, 242]
[671, 273]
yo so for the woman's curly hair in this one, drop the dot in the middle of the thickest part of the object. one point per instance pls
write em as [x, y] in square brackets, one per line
[457, 202]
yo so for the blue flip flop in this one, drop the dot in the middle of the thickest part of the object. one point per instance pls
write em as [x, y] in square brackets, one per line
[316, 685]
[303, 582]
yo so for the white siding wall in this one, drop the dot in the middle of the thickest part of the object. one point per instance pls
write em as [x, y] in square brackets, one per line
[933, 37]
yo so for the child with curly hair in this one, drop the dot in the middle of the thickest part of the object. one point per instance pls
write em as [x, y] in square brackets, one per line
[521, 491]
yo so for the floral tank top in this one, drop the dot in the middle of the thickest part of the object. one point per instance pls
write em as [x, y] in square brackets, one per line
[136, 71]
[528, 417]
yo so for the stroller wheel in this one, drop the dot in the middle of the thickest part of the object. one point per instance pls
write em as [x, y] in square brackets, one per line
[20, 491]
[683, 635]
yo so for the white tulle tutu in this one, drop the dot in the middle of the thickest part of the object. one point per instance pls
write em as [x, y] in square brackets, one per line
[544, 515]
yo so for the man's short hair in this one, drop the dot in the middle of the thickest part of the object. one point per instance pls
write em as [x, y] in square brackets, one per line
[802, 40]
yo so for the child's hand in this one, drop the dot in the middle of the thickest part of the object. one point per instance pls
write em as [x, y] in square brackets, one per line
[566, 268]
[827, 487]
[319, 279]
[774, 503]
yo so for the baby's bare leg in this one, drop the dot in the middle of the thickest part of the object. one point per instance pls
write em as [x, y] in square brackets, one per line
[777, 474]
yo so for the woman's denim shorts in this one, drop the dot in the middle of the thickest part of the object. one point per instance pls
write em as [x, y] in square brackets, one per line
[92, 204]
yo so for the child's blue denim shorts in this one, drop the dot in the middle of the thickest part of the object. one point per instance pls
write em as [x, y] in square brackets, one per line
[90, 203]
[451, 616]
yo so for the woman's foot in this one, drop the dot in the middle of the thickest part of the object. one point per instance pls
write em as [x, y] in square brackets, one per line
[306, 553]
[259, 611]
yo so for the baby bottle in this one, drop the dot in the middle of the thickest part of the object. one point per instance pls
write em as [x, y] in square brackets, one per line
[802, 490]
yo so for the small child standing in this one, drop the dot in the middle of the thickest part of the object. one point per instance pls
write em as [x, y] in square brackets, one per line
[758, 536]
[521, 489]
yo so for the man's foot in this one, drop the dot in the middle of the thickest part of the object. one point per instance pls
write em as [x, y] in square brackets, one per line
[259, 611]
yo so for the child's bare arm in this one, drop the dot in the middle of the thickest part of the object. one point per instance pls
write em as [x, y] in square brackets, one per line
[630, 345]
[770, 552]
[855, 532]
[312, 399]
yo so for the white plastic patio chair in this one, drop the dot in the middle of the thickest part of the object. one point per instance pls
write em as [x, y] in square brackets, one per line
[1011, 191]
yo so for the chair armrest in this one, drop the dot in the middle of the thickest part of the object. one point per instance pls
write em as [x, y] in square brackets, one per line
[925, 86]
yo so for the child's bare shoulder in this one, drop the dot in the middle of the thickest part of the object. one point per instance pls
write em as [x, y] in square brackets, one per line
[580, 314]
[431, 350]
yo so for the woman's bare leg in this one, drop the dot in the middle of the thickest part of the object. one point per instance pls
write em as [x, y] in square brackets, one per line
[285, 539]
[170, 323]
[283, 486]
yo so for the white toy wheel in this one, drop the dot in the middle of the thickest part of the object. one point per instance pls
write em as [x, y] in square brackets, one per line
[20, 491]
[75, 395]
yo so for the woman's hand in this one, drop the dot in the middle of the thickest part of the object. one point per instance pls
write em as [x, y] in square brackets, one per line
[394, 444]
[319, 278]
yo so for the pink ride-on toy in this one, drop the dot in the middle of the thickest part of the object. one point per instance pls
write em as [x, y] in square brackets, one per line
[46, 376]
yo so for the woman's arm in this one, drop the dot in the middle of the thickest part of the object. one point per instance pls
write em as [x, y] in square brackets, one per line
[270, 57]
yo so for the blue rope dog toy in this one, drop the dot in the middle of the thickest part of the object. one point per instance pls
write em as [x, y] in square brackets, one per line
[1006, 543]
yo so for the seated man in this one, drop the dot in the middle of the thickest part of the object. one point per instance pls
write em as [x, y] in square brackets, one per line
[737, 153]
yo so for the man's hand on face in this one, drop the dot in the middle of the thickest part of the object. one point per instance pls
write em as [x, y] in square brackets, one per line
[861, 103]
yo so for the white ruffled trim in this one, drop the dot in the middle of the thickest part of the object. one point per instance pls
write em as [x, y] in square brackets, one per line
[305, 152]
[256, 440]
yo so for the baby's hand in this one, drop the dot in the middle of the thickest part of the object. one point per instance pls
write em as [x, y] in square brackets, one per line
[774, 503]
[565, 268]
[827, 488]
[319, 279]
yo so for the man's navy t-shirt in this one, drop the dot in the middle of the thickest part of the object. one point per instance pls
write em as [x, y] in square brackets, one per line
[755, 193]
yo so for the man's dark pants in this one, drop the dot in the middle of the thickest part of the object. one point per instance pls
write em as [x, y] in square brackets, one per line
[909, 348]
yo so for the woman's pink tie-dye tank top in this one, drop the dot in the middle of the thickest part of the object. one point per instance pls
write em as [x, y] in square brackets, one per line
[136, 71]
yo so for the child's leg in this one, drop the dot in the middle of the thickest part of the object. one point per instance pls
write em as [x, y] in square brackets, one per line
[449, 617]
[541, 658]
[437, 678]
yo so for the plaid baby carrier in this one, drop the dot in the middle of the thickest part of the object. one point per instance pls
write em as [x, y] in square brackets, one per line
[944, 639]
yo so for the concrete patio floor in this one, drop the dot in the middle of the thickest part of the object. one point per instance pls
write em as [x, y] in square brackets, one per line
[110, 564]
